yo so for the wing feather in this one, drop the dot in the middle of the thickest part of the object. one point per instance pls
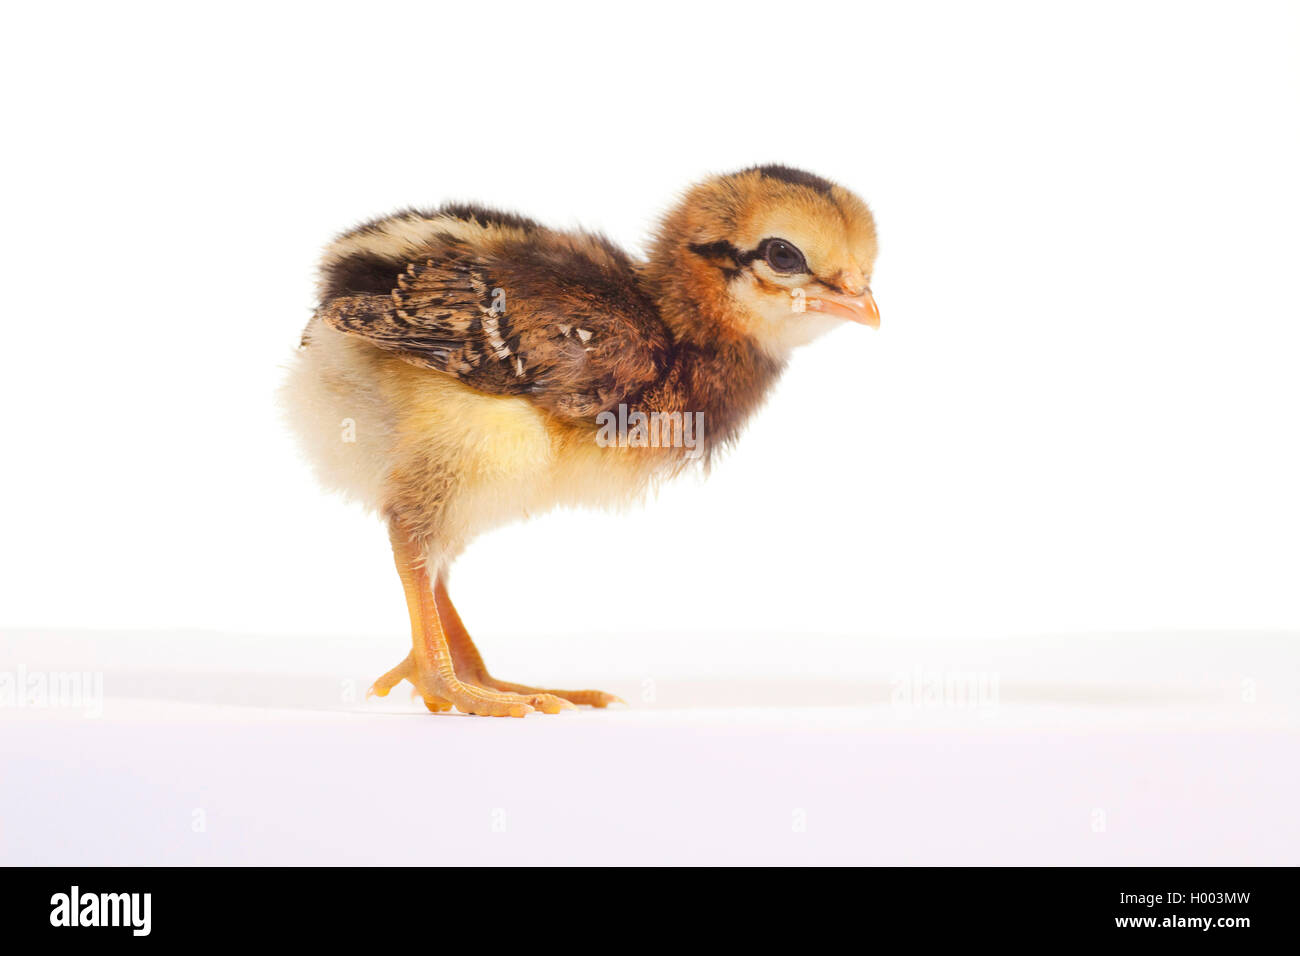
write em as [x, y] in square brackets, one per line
[555, 317]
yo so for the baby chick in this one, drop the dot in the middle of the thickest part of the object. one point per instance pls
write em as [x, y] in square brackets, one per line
[464, 369]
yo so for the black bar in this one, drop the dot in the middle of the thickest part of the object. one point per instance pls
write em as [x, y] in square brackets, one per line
[551, 906]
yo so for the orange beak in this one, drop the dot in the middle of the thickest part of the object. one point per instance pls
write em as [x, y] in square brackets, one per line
[855, 308]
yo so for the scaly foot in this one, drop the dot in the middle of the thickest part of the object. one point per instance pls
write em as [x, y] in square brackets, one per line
[440, 694]
[469, 662]
[589, 698]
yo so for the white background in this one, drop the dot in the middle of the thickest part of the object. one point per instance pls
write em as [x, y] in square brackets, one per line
[1079, 412]
[1066, 466]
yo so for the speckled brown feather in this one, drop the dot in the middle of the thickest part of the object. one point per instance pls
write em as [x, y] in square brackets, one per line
[560, 319]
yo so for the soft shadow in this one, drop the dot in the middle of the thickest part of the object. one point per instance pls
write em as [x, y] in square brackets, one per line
[338, 695]
[884, 693]
[282, 691]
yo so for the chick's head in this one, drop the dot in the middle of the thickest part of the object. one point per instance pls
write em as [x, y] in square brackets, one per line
[771, 253]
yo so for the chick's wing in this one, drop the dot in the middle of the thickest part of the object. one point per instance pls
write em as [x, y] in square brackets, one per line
[559, 319]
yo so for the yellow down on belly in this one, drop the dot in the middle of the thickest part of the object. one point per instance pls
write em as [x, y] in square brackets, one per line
[474, 461]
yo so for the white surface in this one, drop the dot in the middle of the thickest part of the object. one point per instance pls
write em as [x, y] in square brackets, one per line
[1124, 749]
[1079, 413]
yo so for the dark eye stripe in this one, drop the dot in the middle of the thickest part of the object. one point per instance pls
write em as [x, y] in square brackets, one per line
[722, 249]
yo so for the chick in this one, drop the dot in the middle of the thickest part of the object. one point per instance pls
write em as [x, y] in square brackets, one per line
[464, 368]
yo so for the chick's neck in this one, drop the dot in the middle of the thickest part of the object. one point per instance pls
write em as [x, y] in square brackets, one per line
[712, 368]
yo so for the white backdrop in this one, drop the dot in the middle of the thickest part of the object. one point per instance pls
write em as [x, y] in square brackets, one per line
[1079, 413]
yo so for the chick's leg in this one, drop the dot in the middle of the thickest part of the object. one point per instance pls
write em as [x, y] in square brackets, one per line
[469, 662]
[430, 666]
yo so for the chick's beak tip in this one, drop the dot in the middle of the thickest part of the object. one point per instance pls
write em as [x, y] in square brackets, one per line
[856, 308]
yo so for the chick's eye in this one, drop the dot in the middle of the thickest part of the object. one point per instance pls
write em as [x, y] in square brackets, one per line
[783, 257]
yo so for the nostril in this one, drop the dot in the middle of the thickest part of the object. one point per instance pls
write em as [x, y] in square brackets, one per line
[843, 285]
[850, 283]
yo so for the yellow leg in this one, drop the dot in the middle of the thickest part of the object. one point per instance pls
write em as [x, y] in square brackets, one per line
[401, 672]
[430, 666]
[469, 662]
